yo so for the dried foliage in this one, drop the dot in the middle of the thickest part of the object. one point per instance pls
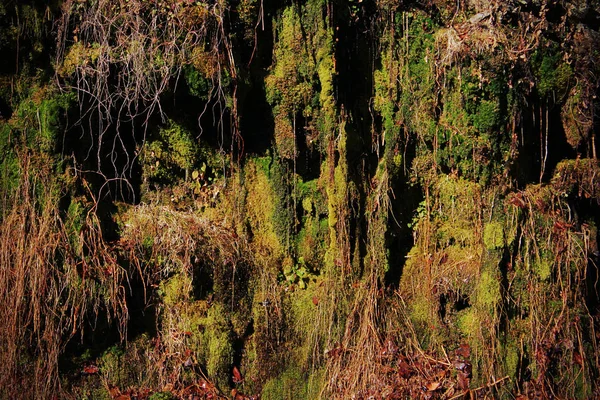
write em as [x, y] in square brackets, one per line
[52, 288]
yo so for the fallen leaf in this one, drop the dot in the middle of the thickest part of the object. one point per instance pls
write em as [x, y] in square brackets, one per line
[315, 300]
[463, 381]
[433, 386]
[235, 395]
[404, 369]
[90, 370]
[464, 351]
[237, 376]
[114, 391]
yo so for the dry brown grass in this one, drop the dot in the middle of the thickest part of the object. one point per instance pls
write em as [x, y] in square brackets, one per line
[49, 287]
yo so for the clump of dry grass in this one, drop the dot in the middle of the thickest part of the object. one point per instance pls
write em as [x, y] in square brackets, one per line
[175, 251]
[49, 287]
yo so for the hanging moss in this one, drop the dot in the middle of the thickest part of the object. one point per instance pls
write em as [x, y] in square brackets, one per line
[40, 118]
[553, 75]
[198, 85]
[493, 236]
[261, 203]
[300, 85]
[171, 155]
[74, 222]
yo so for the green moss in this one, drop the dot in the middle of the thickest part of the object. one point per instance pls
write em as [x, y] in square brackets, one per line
[218, 345]
[310, 328]
[75, 220]
[112, 366]
[577, 116]
[182, 146]
[511, 358]
[468, 322]
[39, 118]
[422, 311]
[197, 83]
[583, 387]
[10, 167]
[493, 236]
[293, 384]
[337, 197]
[542, 266]
[170, 155]
[488, 116]
[162, 396]
[300, 82]
[553, 75]
[488, 292]
[311, 240]
[176, 289]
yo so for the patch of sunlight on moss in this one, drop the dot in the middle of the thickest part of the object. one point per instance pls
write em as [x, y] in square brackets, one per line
[493, 236]
[511, 359]
[219, 348]
[460, 232]
[468, 322]
[307, 205]
[542, 267]
[182, 147]
[421, 310]
[260, 203]
[488, 291]
[176, 289]
[210, 334]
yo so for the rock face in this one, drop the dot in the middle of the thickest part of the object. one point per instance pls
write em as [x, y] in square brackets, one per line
[308, 199]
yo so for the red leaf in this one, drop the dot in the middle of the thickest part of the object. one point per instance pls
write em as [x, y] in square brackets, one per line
[463, 351]
[315, 300]
[235, 395]
[577, 358]
[463, 381]
[237, 376]
[114, 391]
[90, 370]
[404, 369]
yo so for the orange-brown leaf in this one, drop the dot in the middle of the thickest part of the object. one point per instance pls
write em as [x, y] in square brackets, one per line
[463, 381]
[464, 351]
[237, 376]
[90, 370]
